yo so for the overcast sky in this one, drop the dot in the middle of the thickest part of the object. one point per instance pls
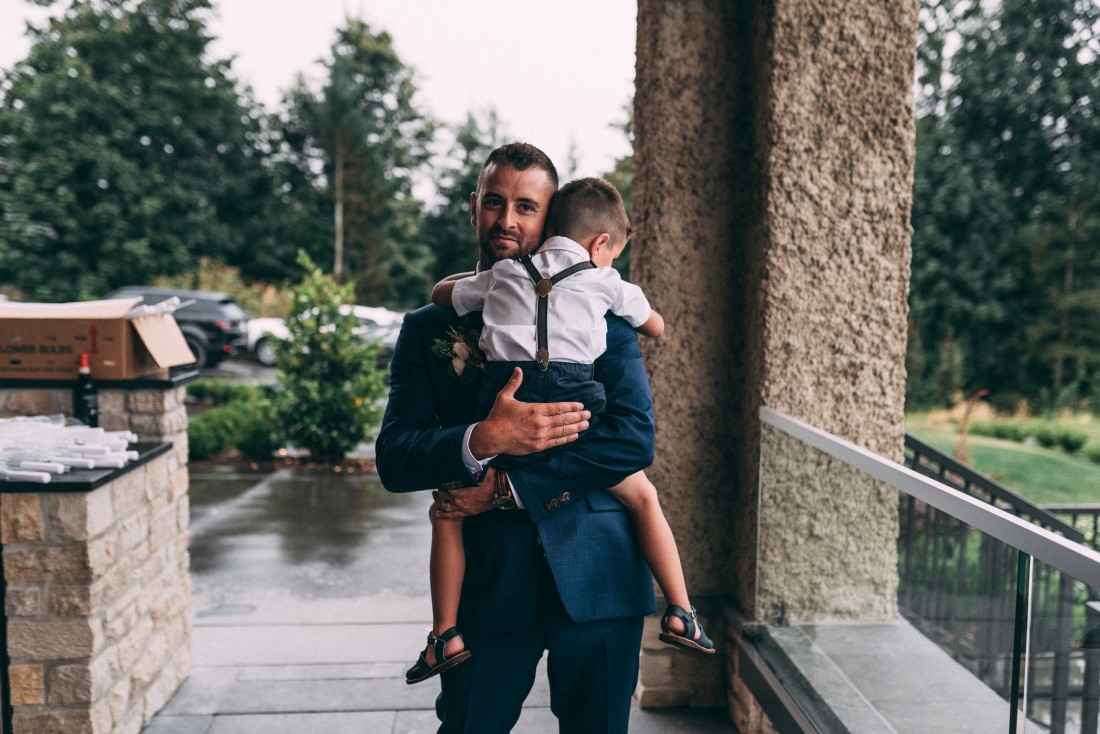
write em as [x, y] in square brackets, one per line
[555, 72]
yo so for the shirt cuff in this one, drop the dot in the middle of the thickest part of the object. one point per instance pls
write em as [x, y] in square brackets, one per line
[477, 466]
[473, 465]
[515, 495]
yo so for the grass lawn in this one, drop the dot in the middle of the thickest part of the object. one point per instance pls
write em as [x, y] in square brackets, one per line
[1042, 475]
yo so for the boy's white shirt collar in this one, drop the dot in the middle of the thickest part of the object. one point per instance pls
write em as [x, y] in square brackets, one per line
[557, 242]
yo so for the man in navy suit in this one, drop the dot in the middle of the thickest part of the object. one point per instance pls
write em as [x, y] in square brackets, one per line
[561, 572]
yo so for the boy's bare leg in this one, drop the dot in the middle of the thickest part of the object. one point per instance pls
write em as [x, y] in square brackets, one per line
[639, 496]
[446, 569]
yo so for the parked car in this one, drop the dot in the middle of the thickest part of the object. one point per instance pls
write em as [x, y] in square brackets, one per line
[214, 326]
[375, 324]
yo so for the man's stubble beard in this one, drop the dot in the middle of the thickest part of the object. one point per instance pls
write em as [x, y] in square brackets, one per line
[489, 257]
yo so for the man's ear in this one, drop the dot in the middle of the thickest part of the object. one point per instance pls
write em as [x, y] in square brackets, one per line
[473, 210]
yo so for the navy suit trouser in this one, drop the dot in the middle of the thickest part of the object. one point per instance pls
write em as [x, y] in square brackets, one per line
[592, 667]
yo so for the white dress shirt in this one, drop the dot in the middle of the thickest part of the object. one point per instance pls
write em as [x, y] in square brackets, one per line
[576, 328]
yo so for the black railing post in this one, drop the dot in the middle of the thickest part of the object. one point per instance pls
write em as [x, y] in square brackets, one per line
[1019, 629]
[1062, 642]
[1090, 705]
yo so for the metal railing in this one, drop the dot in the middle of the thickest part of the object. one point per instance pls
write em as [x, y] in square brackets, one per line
[954, 588]
[979, 569]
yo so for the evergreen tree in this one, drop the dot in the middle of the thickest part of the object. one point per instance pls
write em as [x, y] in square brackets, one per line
[446, 229]
[363, 134]
[124, 152]
[1005, 205]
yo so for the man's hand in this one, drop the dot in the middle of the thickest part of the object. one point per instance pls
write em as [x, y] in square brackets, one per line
[518, 428]
[469, 501]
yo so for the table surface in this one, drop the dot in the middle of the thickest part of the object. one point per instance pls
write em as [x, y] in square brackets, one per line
[85, 480]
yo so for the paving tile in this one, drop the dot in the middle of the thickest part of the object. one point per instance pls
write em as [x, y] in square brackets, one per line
[540, 720]
[179, 725]
[323, 672]
[696, 721]
[300, 644]
[202, 692]
[313, 723]
[258, 697]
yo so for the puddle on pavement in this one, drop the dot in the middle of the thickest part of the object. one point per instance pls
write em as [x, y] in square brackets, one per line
[315, 534]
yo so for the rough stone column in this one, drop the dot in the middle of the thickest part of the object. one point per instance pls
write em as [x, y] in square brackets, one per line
[773, 166]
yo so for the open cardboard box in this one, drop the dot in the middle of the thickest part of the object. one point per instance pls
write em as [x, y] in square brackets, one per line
[44, 341]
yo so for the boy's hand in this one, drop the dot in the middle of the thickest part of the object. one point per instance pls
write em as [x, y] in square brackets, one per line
[518, 428]
[453, 505]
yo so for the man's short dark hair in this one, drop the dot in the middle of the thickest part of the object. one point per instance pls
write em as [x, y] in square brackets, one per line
[520, 156]
[586, 207]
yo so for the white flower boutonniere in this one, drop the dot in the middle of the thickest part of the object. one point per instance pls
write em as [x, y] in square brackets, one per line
[460, 351]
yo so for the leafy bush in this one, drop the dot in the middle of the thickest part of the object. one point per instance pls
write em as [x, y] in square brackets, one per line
[1045, 435]
[258, 299]
[208, 433]
[257, 434]
[1070, 440]
[1092, 452]
[242, 418]
[328, 386]
[220, 391]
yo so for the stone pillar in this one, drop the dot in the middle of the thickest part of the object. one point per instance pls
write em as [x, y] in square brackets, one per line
[772, 184]
[98, 591]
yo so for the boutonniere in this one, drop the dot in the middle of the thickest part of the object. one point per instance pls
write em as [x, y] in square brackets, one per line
[459, 349]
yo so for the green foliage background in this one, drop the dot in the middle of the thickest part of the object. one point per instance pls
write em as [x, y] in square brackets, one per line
[327, 385]
[1005, 290]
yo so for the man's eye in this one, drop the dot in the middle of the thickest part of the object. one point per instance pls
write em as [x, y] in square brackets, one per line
[526, 208]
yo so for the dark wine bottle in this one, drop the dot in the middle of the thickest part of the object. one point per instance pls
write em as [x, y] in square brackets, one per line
[85, 400]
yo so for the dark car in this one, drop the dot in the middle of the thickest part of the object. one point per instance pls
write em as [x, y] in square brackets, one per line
[213, 324]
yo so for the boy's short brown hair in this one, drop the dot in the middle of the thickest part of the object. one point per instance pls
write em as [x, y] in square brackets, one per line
[586, 207]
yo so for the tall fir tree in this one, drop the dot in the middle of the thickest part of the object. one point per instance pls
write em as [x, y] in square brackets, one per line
[124, 151]
[446, 229]
[1005, 203]
[363, 138]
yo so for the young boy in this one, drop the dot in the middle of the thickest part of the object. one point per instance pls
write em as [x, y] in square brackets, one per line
[545, 315]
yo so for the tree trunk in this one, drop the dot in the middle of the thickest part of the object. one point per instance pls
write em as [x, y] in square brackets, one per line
[338, 214]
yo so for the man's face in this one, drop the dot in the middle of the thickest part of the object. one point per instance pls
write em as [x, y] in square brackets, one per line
[509, 210]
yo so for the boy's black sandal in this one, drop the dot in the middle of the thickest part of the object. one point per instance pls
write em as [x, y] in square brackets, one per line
[424, 670]
[686, 641]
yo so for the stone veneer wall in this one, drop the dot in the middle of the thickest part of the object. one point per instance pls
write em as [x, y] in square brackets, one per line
[773, 160]
[98, 592]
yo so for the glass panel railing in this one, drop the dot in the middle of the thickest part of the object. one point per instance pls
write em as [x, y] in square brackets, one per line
[963, 589]
[1061, 682]
[991, 628]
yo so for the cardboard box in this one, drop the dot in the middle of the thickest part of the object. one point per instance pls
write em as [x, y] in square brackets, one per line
[44, 341]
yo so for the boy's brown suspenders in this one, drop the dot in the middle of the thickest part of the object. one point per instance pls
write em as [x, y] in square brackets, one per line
[543, 286]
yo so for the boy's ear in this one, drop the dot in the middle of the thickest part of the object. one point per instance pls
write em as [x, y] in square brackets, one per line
[602, 240]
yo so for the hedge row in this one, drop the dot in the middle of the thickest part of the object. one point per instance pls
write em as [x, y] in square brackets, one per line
[1047, 435]
[244, 420]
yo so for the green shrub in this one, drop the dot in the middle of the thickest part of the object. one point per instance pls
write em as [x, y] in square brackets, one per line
[220, 392]
[1071, 440]
[1045, 435]
[328, 386]
[208, 433]
[242, 417]
[257, 435]
[984, 428]
[1092, 452]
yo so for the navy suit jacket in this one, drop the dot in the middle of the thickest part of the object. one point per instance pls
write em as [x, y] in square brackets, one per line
[588, 540]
